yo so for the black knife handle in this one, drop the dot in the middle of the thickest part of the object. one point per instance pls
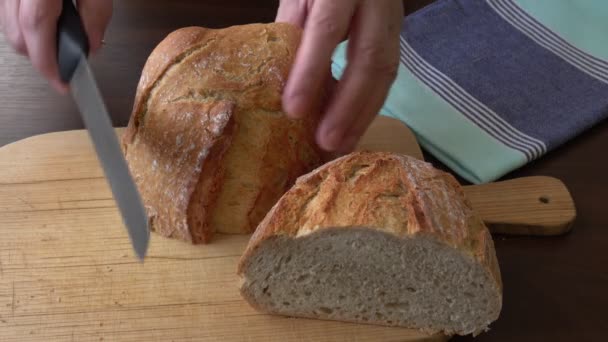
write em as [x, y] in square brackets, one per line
[72, 40]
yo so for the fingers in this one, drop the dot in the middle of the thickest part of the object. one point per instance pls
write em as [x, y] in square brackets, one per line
[326, 25]
[38, 21]
[95, 15]
[372, 66]
[10, 24]
[293, 11]
[31, 28]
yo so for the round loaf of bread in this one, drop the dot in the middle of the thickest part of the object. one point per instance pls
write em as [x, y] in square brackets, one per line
[208, 144]
[380, 238]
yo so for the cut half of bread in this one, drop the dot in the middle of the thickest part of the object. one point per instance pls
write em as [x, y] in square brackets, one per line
[375, 238]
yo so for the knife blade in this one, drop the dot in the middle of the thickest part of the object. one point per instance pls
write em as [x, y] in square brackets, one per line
[72, 53]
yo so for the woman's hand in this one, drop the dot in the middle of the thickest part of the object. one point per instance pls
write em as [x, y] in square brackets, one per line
[372, 27]
[30, 26]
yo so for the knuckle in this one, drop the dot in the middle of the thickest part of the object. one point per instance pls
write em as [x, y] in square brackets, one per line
[32, 18]
[326, 25]
[375, 59]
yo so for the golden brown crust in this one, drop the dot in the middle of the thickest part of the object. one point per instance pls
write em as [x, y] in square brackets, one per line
[204, 198]
[169, 156]
[252, 159]
[397, 194]
[166, 54]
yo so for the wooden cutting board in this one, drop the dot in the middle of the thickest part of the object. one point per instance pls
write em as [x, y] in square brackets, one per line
[67, 271]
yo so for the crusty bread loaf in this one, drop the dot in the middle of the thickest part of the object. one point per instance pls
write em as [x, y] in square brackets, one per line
[208, 144]
[375, 238]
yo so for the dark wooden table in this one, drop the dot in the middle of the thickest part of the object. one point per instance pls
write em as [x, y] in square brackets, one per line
[555, 289]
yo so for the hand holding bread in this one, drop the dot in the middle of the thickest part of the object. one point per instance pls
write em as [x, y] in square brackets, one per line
[372, 27]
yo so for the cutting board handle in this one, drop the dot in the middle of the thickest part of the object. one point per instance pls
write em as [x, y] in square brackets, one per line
[536, 205]
[525, 206]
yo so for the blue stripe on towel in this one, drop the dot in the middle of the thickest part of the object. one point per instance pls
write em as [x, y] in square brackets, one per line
[532, 28]
[581, 23]
[468, 106]
[539, 94]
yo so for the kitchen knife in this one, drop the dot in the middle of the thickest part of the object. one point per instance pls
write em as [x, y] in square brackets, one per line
[72, 53]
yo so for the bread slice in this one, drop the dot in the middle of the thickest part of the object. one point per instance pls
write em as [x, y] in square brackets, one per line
[375, 238]
[208, 144]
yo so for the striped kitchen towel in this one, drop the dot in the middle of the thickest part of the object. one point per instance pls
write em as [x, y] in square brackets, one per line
[490, 85]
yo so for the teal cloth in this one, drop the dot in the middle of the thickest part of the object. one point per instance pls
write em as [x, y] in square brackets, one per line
[446, 130]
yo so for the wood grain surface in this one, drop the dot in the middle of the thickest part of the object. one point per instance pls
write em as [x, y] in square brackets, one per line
[67, 272]
[555, 288]
[52, 186]
[537, 205]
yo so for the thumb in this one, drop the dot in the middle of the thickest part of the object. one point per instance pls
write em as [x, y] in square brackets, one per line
[293, 12]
